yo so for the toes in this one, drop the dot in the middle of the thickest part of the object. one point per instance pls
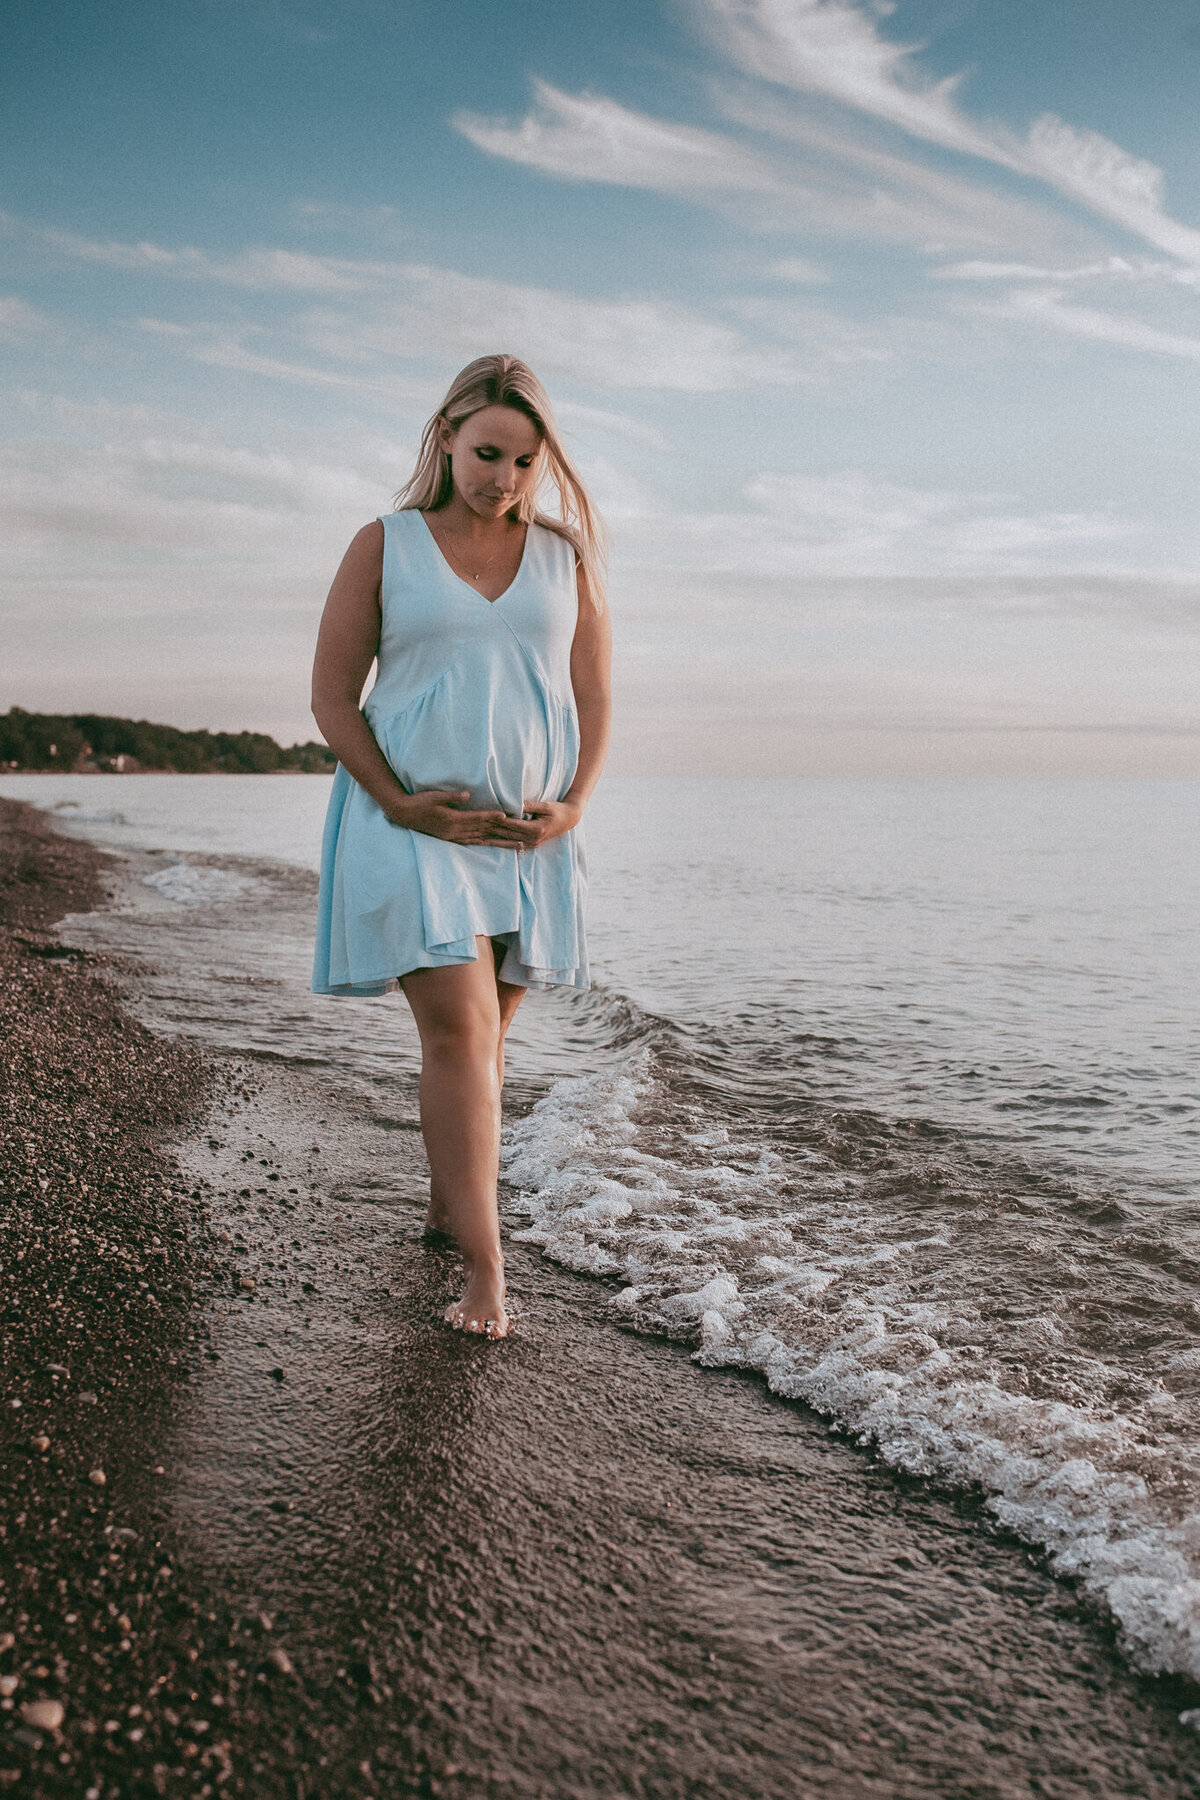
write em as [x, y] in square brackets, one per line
[460, 1319]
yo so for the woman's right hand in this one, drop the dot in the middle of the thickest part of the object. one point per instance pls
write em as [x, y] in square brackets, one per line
[442, 813]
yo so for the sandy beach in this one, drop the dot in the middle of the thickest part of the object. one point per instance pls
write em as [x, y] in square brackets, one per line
[272, 1530]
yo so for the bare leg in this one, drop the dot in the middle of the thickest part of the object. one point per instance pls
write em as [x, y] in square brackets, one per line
[508, 999]
[458, 1016]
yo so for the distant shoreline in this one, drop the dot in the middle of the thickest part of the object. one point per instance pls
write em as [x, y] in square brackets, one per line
[100, 744]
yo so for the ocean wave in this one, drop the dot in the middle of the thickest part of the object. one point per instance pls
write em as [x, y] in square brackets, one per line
[70, 812]
[912, 1301]
[197, 884]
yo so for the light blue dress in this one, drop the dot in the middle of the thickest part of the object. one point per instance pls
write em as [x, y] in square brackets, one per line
[468, 694]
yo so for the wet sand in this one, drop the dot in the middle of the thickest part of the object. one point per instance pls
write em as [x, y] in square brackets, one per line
[340, 1550]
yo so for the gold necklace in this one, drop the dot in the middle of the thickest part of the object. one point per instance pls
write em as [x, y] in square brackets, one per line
[480, 573]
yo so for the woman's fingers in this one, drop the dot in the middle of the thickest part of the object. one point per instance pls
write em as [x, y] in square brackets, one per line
[448, 818]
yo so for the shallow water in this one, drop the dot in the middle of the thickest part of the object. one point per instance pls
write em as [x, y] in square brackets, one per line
[887, 1090]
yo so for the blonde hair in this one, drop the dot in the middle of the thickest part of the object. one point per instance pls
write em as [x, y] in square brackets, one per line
[507, 381]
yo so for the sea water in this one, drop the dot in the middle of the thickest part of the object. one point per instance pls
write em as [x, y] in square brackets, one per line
[886, 1090]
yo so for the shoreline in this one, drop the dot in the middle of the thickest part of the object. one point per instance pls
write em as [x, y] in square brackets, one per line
[382, 1559]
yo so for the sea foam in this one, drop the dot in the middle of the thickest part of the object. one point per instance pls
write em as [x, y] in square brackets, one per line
[788, 1265]
[196, 884]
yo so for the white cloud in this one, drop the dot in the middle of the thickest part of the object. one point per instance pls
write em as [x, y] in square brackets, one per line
[258, 267]
[1111, 182]
[798, 269]
[406, 310]
[18, 319]
[623, 343]
[1014, 271]
[833, 48]
[139, 490]
[226, 347]
[572, 416]
[850, 524]
[1040, 306]
[814, 178]
[588, 137]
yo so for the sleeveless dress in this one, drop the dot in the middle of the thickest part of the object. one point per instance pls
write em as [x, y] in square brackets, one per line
[472, 694]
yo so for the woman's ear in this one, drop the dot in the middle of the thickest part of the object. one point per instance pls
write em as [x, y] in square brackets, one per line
[445, 435]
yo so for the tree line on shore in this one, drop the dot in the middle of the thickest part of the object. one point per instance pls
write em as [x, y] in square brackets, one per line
[83, 742]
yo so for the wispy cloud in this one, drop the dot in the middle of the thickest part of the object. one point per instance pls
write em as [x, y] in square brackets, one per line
[1044, 307]
[851, 524]
[423, 311]
[258, 267]
[387, 313]
[587, 137]
[812, 177]
[1118, 186]
[1015, 271]
[232, 347]
[832, 48]
[626, 343]
[138, 489]
[20, 320]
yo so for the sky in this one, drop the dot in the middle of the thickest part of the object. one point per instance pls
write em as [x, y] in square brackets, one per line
[875, 330]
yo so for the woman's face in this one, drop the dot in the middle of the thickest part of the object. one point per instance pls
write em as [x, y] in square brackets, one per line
[492, 455]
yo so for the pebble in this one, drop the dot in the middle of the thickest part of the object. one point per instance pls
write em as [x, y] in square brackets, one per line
[279, 1659]
[43, 1715]
[8, 1686]
[40, 1443]
[98, 1478]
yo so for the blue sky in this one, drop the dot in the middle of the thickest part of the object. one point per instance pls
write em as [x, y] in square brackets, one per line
[875, 328]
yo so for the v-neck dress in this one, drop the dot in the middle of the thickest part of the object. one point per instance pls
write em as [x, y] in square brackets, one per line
[474, 694]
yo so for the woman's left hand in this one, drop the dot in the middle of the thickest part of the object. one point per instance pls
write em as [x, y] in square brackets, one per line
[544, 819]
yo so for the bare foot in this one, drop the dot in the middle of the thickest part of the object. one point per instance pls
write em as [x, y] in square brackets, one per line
[481, 1309]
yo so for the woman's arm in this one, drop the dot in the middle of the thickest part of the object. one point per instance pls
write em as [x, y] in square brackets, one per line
[591, 683]
[346, 647]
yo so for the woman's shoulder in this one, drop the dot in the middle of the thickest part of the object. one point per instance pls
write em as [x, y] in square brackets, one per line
[366, 548]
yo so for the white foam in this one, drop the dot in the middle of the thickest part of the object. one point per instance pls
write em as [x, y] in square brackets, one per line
[73, 813]
[825, 1297]
[195, 884]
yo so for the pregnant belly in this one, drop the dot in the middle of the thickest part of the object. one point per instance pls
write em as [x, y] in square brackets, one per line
[502, 758]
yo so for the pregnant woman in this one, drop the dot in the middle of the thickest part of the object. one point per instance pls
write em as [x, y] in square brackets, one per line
[451, 865]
